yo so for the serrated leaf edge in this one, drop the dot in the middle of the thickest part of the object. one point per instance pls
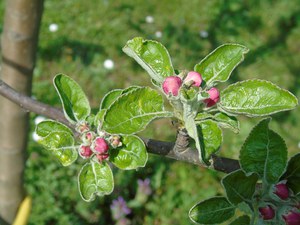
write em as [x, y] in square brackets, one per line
[144, 149]
[163, 113]
[93, 196]
[138, 59]
[58, 92]
[216, 197]
[245, 51]
[252, 114]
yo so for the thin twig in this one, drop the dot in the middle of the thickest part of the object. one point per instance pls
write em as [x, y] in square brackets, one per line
[167, 149]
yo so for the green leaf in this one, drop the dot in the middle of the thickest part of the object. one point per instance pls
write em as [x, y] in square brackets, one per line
[292, 174]
[132, 112]
[75, 104]
[226, 121]
[242, 220]
[95, 179]
[264, 152]
[131, 155]
[112, 96]
[61, 145]
[99, 117]
[109, 98]
[212, 211]
[46, 127]
[152, 56]
[256, 98]
[222, 119]
[218, 65]
[210, 137]
[239, 187]
[203, 116]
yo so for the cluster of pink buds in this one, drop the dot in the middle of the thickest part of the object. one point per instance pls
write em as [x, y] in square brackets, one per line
[289, 212]
[93, 144]
[172, 85]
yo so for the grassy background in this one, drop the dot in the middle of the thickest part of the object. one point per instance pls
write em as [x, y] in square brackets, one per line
[91, 31]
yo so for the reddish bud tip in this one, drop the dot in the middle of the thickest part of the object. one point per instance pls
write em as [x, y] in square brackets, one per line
[102, 157]
[83, 127]
[292, 218]
[193, 77]
[100, 145]
[214, 97]
[282, 191]
[171, 85]
[115, 141]
[267, 212]
[85, 151]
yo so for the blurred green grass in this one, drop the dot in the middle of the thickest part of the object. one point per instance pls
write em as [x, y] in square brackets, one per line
[91, 31]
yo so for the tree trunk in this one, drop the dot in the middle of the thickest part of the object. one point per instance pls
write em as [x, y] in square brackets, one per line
[19, 43]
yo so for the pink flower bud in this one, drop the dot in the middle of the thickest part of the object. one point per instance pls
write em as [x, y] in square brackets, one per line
[281, 190]
[267, 212]
[214, 97]
[102, 157]
[115, 141]
[85, 151]
[292, 218]
[193, 77]
[83, 127]
[172, 85]
[100, 145]
[88, 137]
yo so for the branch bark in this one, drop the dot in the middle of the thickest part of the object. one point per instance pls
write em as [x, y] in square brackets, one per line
[167, 149]
[19, 43]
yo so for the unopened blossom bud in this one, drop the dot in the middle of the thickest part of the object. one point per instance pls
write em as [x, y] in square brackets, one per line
[171, 85]
[214, 97]
[281, 190]
[193, 78]
[292, 218]
[83, 127]
[100, 146]
[88, 137]
[115, 141]
[85, 151]
[267, 212]
[102, 157]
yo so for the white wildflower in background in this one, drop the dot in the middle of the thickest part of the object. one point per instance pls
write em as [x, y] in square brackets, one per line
[35, 137]
[203, 34]
[39, 119]
[299, 145]
[53, 27]
[149, 19]
[108, 64]
[158, 34]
